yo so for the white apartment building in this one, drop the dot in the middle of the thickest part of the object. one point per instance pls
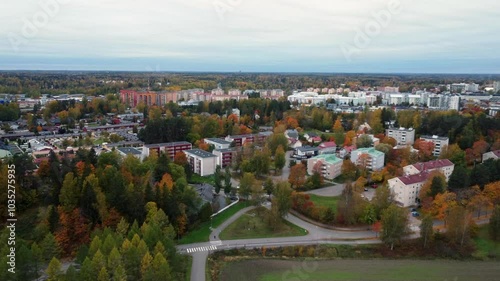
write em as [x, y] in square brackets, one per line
[331, 166]
[370, 158]
[203, 163]
[406, 189]
[218, 143]
[439, 143]
[402, 135]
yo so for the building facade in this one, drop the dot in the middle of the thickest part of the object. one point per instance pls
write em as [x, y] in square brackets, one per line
[369, 158]
[402, 135]
[330, 165]
[169, 148]
[439, 143]
[202, 163]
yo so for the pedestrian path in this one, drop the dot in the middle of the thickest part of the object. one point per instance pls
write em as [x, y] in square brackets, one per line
[201, 249]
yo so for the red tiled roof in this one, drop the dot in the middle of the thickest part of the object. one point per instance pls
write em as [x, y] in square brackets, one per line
[328, 144]
[412, 179]
[431, 165]
[497, 153]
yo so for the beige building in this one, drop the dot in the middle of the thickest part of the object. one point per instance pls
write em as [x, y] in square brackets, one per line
[203, 163]
[406, 189]
[369, 158]
[331, 166]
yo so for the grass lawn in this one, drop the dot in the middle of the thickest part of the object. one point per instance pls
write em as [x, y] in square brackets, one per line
[202, 232]
[254, 225]
[325, 201]
[485, 247]
[195, 178]
[354, 270]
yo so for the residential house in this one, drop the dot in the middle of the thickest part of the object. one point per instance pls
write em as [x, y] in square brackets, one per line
[327, 147]
[305, 152]
[491, 155]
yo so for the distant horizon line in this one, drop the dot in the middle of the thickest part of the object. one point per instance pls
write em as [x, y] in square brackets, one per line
[245, 72]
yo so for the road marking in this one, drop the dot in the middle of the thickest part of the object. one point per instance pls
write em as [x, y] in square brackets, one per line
[202, 249]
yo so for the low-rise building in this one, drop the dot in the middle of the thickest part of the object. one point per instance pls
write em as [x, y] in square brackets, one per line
[124, 151]
[491, 155]
[327, 147]
[305, 152]
[218, 143]
[225, 157]
[169, 148]
[439, 143]
[369, 158]
[330, 165]
[203, 163]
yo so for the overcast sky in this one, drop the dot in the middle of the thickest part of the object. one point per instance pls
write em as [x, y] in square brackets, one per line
[425, 36]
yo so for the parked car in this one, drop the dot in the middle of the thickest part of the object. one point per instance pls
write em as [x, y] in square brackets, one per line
[415, 214]
[366, 188]
[374, 185]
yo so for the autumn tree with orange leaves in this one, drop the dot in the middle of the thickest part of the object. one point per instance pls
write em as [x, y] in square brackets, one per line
[297, 176]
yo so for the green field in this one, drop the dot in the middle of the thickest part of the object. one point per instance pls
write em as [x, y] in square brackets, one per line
[485, 247]
[253, 224]
[325, 201]
[357, 270]
[202, 232]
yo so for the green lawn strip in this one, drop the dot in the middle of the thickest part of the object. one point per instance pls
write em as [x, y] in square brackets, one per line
[189, 265]
[485, 247]
[254, 225]
[325, 201]
[202, 232]
[353, 270]
[197, 179]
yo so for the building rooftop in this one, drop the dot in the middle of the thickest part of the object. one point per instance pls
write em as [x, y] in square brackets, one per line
[412, 179]
[129, 150]
[369, 150]
[401, 129]
[223, 150]
[329, 158]
[431, 165]
[218, 141]
[328, 144]
[307, 148]
[167, 144]
[434, 138]
[200, 153]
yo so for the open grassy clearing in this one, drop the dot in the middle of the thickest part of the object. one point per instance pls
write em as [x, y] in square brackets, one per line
[254, 224]
[325, 201]
[366, 270]
[485, 247]
[202, 232]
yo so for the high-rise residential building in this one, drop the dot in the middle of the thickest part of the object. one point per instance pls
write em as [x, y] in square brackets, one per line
[496, 86]
[403, 136]
[439, 143]
[454, 102]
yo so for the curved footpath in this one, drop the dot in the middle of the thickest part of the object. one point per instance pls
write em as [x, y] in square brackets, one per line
[316, 235]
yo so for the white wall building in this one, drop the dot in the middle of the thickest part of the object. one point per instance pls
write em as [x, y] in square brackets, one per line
[374, 158]
[331, 166]
[439, 143]
[203, 163]
[402, 135]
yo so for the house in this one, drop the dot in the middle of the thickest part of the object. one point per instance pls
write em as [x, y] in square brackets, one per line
[5, 154]
[329, 164]
[327, 147]
[170, 148]
[218, 143]
[202, 163]
[305, 152]
[124, 151]
[439, 143]
[491, 155]
[406, 189]
[292, 134]
[312, 137]
[225, 156]
[346, 150]
[369, 158]
[294, 143]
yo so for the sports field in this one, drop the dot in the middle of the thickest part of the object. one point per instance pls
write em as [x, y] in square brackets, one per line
[357, 270]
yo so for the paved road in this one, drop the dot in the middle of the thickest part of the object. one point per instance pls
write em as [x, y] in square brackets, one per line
[316, 234]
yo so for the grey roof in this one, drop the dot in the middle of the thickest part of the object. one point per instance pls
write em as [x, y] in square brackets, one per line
[205, 191]
[200, 153]
[217, 140]
[434, 138]
[231, 149]
[292, 133]
[129, 150]
[308, 148]
[168, 144]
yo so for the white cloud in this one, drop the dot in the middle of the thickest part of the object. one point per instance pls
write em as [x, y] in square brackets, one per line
[255, 31]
